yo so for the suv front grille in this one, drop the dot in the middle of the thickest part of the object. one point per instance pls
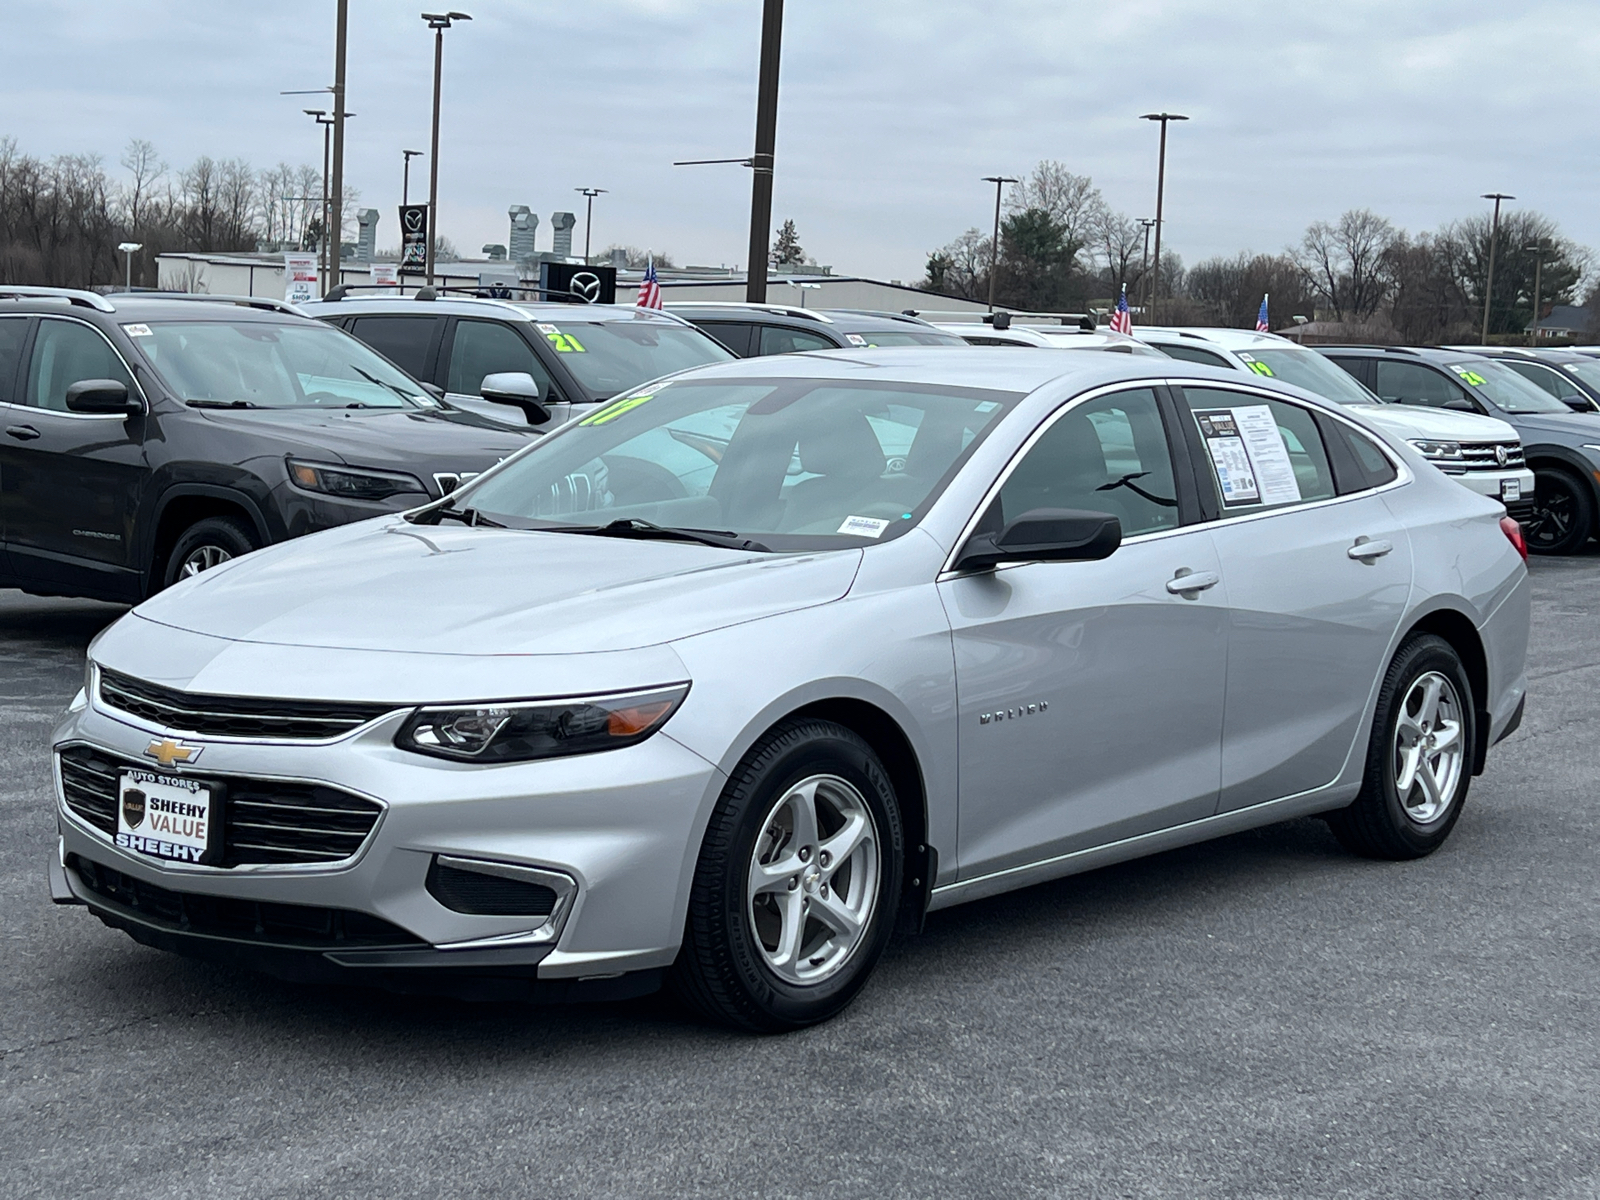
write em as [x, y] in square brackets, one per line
[295, 926]
[265, 821]
[1483, 457]
[234, 716]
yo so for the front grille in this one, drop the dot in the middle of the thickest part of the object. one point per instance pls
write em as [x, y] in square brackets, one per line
[295, 926]
[1482, 457]
[234, 716]
[264, 820]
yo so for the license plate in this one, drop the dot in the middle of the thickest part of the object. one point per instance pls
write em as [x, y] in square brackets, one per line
[1511, 489]
[168, 817]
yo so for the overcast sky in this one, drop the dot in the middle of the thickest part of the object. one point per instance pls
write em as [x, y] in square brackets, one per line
[890, 110]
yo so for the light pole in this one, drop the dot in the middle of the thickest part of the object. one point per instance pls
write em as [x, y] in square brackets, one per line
[132, 248]
[320, 115]
[1538, 289]
[766, 147]
[1144, 257]
[588, 193]
[438, 22]
[336, 195]
[999, 182]
[1494, 238]
[1161, 188]
[405, 180]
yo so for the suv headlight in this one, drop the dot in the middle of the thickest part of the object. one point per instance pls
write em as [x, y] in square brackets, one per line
[522, 730]
[352, 483]
[1437, 451]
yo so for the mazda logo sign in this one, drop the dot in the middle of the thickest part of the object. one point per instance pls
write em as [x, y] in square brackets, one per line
[585, 286]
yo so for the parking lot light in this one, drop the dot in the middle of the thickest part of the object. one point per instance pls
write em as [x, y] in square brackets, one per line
[438, 22]
[1494, 237]
[589, 193]
[405, 179]
[131, 248]
[1537, 249]
[1161, 187]
[999, 182]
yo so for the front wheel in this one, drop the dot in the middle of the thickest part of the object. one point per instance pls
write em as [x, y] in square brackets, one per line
[798, 882]
[205, 544]
[1563, 513]
[1419, 761]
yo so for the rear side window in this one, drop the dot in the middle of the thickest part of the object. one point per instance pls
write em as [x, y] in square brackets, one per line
[404, 341]
[1192, 354]
[1261, 452]
[732, 334]
[1358, 463]
[775, 339]
[12, 332]
[65, 353]
[1412, 383]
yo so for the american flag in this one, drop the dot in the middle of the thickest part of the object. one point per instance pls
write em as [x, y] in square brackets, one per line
[1262, 324]
[650, 289]
[1122, 319]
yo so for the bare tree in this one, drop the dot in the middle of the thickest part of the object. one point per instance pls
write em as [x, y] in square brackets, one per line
[1119, 243]
[1343, 262]
[961, 268]
[1072, 201]
[145, 168]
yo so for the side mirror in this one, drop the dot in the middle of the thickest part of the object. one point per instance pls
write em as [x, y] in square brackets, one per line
[1045, 535]
[1579, 404]
[103, 396]
[516, 388]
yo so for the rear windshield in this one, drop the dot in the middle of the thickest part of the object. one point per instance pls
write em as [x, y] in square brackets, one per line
[609, 357]
[1309, 370]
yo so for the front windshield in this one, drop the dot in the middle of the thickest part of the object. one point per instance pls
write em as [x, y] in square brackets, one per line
[609, 357]
[908, 337]
[1505, 388]
[266, 364]
[795, 464]
[1309, 370]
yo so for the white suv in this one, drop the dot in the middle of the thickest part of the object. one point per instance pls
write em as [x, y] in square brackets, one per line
[1483, 453]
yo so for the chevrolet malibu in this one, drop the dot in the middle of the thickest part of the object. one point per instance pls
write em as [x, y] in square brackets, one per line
[724, 682]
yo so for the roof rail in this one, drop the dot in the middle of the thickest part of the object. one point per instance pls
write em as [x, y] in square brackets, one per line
[905, 318]
[808, 314]
[265, 303]
[72, 295]
[1366, 346]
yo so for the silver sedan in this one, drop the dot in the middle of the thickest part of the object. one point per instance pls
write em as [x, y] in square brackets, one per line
[723, 683]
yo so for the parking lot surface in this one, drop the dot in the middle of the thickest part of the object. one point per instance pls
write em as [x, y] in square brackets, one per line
[1258, 1016]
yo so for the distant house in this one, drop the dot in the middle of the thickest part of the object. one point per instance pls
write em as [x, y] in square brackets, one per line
[1567, 323]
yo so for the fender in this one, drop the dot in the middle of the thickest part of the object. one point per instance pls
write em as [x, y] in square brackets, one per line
[253, 507]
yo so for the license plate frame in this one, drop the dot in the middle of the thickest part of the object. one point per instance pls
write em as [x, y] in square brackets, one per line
[1510, 490]
[169, 818]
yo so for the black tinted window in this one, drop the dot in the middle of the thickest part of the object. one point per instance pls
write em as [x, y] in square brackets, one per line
[734, 336]
[775, 339]
[1412, 383]
[482, 348]
[404, 341]
[12, 331]
[1374, 462]
[1192, 354]
[65, 353]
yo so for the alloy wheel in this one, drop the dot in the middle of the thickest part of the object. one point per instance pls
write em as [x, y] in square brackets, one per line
[813, 879]
[1554, 512]
[1429, 749]
[203, 558]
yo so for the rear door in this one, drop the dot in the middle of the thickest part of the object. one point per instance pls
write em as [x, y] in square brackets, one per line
[1317, 572]
[13, 338]
[70, 482]
[409, 342]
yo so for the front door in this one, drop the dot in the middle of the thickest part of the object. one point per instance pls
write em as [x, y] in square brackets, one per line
[483, 348]
[70, 482]
[1316, 586]
[1090, 693]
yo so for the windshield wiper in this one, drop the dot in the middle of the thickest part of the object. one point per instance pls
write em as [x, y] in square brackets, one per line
[634, 527]
[467, 516]
[374, 379]
[222, 404]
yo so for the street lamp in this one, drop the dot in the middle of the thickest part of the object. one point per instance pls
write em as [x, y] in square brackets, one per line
[1538, 288]
[438, 22]
[1148, 223]
[999, 182]
[1161, 188]
[132, 248]
[589, 193]
[321, 117]
[1494, 238]
[405, 181]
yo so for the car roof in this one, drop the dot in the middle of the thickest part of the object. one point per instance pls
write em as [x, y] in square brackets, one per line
[1547, 354]
[118, 307]
[1221, 337]
[844, 320]
[551, 311]
[1433, 354]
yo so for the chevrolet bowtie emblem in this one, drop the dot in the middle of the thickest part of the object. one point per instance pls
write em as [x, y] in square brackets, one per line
[169, 753]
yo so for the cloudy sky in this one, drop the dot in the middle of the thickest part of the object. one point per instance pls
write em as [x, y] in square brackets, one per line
[891, 110]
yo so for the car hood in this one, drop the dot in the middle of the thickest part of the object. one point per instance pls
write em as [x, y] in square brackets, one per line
[1411, 420]
[1581, 425]
[388, 585]
[389, 439]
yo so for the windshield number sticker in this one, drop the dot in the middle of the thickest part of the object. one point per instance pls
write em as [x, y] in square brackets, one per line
[137, 331]
[1470, 376]
[615, 409]
[869, 527]
[1260, 368]
[565, 343]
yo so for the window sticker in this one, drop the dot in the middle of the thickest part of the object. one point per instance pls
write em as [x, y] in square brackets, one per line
[869, 527]
[1228, 456]
[616, 408]
[1261, 368]
[137, 331]
[1269, 457]
[1468, 375]
[564, 343]
[855, 339]
[986, 406]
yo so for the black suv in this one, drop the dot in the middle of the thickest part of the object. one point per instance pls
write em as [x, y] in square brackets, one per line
[752, 330]
[1562, 447]
[146, 439]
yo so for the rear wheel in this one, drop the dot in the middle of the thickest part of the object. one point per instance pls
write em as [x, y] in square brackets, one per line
[1563, 513]
[207, 543]
[1419, 760]
[798, 882]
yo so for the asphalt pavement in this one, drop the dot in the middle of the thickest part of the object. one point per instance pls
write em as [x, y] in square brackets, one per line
[1259, 1016]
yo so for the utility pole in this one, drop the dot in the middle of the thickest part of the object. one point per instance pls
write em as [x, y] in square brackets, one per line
[1538, 289]
[1494, 239]
[336, 196]
[588, 193]
[405, 179]
[438, 22]
[999, 182]
[1161, 188]
[766, 147]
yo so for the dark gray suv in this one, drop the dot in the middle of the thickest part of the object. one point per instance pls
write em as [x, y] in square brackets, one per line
[1562, 447]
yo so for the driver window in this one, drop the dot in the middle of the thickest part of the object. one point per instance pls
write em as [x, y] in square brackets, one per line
[1108, 455]
[487, 348]
[1410, 383]
[65, 353]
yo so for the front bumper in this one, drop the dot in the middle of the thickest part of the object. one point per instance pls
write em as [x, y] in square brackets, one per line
[623, 826]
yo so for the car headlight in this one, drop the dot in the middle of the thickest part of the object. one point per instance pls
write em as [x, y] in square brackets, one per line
[522, 730]
[352, 483]
[1437, 451]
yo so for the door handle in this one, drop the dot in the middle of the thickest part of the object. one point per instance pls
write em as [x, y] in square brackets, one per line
[23, 433]
[1189, 584]
[1365, 549]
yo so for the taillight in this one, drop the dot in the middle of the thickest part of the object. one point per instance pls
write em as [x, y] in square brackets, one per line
[1513, 533]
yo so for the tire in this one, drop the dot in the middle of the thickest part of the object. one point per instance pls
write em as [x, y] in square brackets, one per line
[740, 964]
[1383, 823]
[207, 543]
[1563, 513]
